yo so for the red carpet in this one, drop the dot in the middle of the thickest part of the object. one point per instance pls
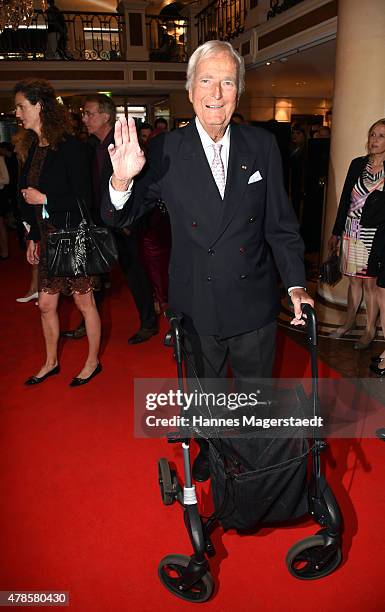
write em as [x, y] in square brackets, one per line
[81, 509]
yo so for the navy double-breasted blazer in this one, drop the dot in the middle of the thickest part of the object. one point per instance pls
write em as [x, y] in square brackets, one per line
[222, 272]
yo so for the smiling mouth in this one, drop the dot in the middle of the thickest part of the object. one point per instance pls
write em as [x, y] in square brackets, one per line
[215, 106]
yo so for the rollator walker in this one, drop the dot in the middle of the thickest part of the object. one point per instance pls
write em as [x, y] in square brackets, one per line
[317, 556]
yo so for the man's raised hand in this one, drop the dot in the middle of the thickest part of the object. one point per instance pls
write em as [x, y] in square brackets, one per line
[127, 157]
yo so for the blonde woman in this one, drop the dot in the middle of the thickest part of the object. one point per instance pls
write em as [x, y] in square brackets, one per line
[365, 175]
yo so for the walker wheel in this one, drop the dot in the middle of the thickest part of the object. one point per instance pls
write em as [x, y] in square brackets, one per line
[303, 558]
[165, 482]
[170, 572]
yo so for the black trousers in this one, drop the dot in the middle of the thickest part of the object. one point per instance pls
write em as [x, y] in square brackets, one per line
[250, 356]
[136, 276]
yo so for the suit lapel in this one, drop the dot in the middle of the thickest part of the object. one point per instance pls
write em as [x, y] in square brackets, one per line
[203, 196]
[241, 161]
[192, 151]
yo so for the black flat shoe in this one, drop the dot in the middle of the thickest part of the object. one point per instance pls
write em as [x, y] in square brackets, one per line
[77, 382]
[34, 380]
[377, 359]
[376, 370]
[380, 433]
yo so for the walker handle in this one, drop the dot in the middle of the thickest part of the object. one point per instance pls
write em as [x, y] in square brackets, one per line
[176, 329]
[311, 323]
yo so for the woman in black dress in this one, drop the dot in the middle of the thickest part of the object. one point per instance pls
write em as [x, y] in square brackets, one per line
[55, 174]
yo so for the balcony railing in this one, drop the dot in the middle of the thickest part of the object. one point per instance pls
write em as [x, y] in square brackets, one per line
[90, 36]
[221, 20]
[167, 38]
[279, 6]
[96, 36]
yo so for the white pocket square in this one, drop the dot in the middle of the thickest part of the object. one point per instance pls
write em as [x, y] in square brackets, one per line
[255, 177]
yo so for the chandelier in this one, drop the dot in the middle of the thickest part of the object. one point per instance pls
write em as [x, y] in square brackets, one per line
[15, 13]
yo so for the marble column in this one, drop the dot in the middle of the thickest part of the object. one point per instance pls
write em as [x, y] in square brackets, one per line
[359, 100]
[135, 28]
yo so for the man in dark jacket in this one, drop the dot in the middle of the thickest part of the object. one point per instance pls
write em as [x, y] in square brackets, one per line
[230, 217]
[99, 118]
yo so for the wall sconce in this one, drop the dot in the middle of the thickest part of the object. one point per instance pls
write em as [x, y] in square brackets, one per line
[282, 111]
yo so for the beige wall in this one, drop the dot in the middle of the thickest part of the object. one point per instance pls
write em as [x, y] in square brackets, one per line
[263, 108]
[180, 106]
[256, 108]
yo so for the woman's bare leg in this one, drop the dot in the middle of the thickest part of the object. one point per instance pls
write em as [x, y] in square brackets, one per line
[34, 280]
[50, 324]
[86, 304]
[381, 302]
[33, 287]
[372, 307]
[354, 301]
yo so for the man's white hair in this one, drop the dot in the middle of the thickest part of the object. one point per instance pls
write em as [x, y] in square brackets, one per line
[213, 47]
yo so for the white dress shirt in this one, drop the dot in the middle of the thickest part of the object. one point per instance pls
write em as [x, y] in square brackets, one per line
[207, 144]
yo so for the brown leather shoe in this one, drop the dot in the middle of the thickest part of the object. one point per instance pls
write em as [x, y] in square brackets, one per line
[143, 335]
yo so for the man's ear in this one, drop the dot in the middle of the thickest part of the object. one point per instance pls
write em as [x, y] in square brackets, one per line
[190, 94]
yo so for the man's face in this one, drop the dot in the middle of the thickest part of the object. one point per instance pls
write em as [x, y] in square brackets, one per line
[161, 127]
[97, 123]
[297, 137]
[214, 92]
[144, 134]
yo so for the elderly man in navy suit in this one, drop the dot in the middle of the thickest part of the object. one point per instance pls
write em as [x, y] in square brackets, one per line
[232, 223]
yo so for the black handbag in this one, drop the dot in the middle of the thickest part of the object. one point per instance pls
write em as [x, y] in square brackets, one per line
[373, 211]
[85, 250]
[330, 272]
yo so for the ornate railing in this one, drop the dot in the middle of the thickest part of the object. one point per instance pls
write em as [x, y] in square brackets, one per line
[222, 20]
[167, 38]
[279, 6]
[90, 36]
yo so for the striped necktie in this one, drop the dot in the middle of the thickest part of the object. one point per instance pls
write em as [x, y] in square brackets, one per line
[218, 170]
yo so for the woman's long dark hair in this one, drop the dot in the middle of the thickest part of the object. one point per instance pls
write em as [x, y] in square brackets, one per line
[55, 122]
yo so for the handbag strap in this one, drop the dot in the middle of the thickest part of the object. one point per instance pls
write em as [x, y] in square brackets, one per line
[84, 211]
